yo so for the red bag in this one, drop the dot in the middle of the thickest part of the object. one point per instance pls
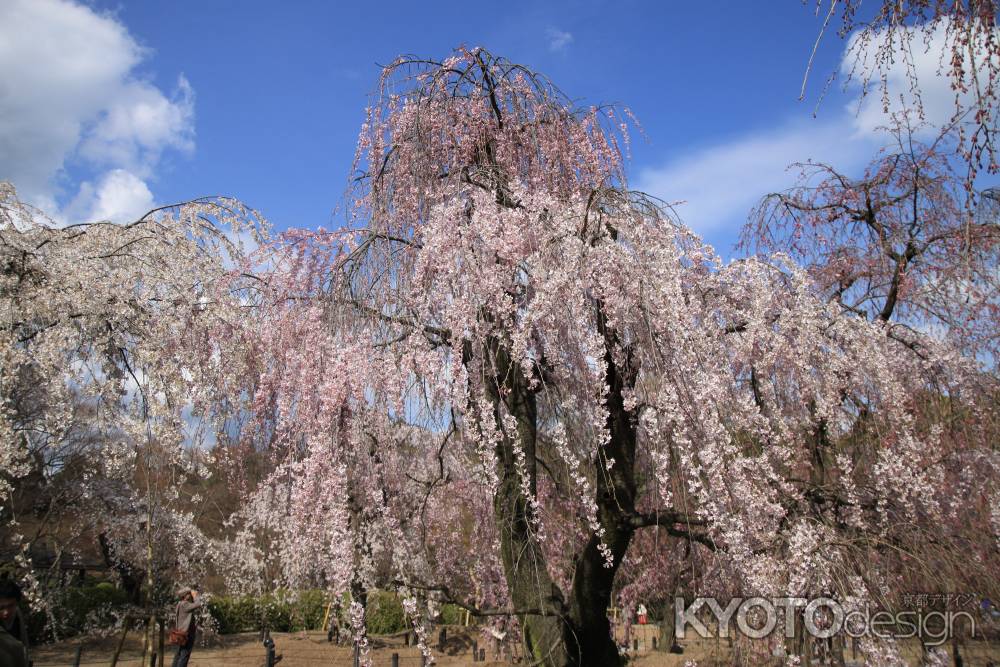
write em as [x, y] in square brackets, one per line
[178, 637]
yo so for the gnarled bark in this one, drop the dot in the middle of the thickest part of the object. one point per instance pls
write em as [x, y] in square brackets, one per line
[558, 632]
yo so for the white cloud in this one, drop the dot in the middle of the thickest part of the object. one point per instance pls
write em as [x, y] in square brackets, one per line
[140, 124]
[69, 93]
[721, 184]
[558, 39]
[119, 196]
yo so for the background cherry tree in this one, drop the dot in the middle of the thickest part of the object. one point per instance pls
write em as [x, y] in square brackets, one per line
[890, 37]
[905, 243]
[99, 444]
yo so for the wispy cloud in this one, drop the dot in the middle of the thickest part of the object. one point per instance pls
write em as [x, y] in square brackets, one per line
[559, 40]
[720, 184]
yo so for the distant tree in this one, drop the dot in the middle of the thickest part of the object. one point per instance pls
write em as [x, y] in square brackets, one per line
[907, 247]
[901, 244]
[93, 390]
[890, 34]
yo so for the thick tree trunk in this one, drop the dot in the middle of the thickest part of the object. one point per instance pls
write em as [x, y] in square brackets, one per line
[557, 633]
[588, 634]
[534, 595]
[532, 590]
[594, 579]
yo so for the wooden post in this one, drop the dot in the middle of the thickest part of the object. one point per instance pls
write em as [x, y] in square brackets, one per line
[482, 655]
[162, 632]
[475, 651]
[839, 646]
[326, 614]
[395, 660]
[357, 655]
[79, 654]
[269, 656]
[442, 639]
[121, 643]
[956, 655]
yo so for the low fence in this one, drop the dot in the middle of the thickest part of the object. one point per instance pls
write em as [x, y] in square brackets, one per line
[271, 654]
[270, 659]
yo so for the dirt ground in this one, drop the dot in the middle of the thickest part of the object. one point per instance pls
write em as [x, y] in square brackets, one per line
[312, 650]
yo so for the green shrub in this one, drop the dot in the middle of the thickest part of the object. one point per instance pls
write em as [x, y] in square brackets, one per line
[94, 605]
[75, 609]
[308, 610]
[285, 612]
[292, 612]
[277, 614]
[452, 614]
[97, 603]
[235, 614]
[384, 614]
[38, 630]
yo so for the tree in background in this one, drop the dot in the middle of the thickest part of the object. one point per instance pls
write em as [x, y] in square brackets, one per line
[964, 37]
[900, 245]
[95, 416]
[909, 248]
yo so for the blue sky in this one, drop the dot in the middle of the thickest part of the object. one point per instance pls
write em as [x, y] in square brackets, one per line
[108, 107]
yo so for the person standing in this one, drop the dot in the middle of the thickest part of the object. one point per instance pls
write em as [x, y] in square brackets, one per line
[189, 601]
[13, 629]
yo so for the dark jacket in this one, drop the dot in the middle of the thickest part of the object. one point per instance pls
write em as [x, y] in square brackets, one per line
[19, 627]
[12, 652]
